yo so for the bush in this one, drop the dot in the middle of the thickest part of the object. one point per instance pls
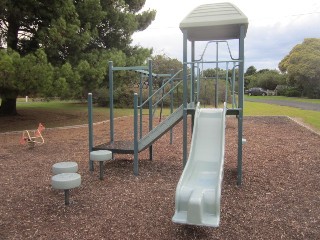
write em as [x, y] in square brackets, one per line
[207, 92]
[123, 97]
[281, 90]
[102, 97]
[292, 92]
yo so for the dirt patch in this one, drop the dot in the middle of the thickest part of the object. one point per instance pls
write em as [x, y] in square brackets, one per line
[30, 118]
[279, 198]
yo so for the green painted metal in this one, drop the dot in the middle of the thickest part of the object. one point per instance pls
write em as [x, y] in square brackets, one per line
[143, 70]
[150, 104]
[192, 99]
[162, 87]
[233, 86]
[140, 103]
[156, 75]
[171, 105]
[161, 129]
[219, 61]
[168, 93]
[216, 100]
[135, 133]
[198, 82]
[185, 103]
[90, 125]
[133, 68]
[240, 102]
[227, 78]
[111, 101]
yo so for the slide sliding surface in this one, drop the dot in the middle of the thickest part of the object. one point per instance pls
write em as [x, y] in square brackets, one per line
[198, 193]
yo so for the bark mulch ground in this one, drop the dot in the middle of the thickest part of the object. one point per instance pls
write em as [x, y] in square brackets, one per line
[279, 198]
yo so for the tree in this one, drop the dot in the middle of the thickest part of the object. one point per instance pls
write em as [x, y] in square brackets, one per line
[164, 64]
[250, 71]
[23, 75]
[267, 79]
[249, 76]
[302, 67]
[122, 19]
[75, 35]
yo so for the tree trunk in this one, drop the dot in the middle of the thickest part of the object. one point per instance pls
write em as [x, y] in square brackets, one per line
[13, 30]
[8, 106]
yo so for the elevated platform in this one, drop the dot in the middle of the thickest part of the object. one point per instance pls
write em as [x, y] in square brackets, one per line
[122, 147]
[127, 147]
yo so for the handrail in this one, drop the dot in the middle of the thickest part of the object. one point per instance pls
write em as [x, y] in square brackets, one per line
[172, 78]
[171, 90]
[219, 41]
[230, 65]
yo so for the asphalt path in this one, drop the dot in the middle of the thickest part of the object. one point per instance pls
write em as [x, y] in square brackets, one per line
[301, 105]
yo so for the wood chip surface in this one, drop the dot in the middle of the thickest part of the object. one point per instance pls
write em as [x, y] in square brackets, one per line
[279, 197]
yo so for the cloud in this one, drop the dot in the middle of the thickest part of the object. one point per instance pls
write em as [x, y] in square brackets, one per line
[267, 45]
[275, 27]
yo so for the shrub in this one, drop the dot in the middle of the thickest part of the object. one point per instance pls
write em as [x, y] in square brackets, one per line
[292, 92]
[123, 97]
[101, 97]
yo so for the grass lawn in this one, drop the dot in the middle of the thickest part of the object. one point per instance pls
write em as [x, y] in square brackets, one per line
[66, 113]
[291, 99]
[263, 109]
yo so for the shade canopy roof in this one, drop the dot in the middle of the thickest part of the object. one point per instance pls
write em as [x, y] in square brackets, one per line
[219, 21]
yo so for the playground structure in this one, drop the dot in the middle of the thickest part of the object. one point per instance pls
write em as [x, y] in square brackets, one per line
[199, 189]
[33, 137]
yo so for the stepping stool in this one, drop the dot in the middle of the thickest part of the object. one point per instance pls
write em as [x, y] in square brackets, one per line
[64, 167]
[66, 181]
[101, 156]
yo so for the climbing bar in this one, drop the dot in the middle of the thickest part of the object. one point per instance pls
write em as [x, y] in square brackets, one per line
[135, 68]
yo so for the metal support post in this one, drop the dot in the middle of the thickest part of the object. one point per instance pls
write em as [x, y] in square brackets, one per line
[135, 144]
[217, 77]
[111, 101]
[241, 93]
[66, 196]
[140, 103]
[150, 105]
[101, 170]
[171, 106]
[90, 124]
[192, 100]
[185, 101]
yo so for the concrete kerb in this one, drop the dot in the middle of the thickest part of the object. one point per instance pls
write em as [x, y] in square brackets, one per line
[102, 122]
[304, 125]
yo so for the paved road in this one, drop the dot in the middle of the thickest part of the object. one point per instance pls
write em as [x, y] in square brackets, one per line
[301, 105]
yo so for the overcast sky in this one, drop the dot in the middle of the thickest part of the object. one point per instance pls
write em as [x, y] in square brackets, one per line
[275, 27]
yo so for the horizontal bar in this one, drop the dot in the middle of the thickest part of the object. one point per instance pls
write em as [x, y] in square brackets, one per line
[226, 61]
[163, 75]
[154, 74]
[130, 68]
